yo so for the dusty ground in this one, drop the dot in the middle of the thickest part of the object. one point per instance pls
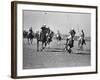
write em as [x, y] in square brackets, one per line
[55, 56]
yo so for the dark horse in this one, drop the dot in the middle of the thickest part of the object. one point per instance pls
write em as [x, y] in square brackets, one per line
[45, 37]
[69, 44]
[29, 36]
[49, 37]
[25, 34]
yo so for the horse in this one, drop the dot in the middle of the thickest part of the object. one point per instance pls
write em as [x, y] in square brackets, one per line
[45, 37]
[49, 37]
[25, 34]
[81, 42]
[58, 38]
[29, 36]
[69, 44]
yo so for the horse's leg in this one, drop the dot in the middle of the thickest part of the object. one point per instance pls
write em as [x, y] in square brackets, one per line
[42, 46]
[28, 40]
[31, 41]
[48, 44]
[82, 47]
[78, 44]
[68, 49]
[37, 45]
[65, 49]
[81, 44]
[45, 44]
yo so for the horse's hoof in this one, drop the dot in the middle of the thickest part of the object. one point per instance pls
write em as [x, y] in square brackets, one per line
[65, 49]
[69, 51]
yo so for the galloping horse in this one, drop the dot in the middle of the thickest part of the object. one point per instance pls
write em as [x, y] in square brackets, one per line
[45, 37]
[70, 41]
[49, 37]
[30, 37]
[69, 44]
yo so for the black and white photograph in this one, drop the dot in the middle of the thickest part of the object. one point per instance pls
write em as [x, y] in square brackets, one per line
[55, 39]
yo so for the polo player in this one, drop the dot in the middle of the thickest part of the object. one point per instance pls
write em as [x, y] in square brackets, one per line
[72, 35]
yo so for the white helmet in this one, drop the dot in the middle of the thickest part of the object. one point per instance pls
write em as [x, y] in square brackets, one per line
[44, 24]
[72, 28]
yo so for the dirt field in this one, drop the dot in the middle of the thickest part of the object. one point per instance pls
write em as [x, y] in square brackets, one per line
[55, 56]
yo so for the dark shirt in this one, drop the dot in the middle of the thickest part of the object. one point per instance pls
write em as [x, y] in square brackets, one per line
[31, 31]
[72, 33]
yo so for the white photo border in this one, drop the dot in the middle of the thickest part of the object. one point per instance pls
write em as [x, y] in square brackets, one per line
[50, 71]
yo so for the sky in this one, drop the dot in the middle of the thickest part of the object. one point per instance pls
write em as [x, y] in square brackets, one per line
[62, 21]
